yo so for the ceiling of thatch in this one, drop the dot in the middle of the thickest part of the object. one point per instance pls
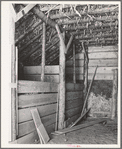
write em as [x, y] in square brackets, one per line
[96, 25]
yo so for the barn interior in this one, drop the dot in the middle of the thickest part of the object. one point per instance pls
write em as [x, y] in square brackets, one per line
[65, 63]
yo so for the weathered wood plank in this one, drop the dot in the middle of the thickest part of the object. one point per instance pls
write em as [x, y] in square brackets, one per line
[97, 77]
[25, 114]
[73, 103]
[66, 130]
[73, 111]
[93, 63]
[51, 78]
[47, 78]
[74, 87]
[36, 86]
[29, 126]
[103, 49]
[36, 99]
[99, 55]
[37, 70]
[79, 70]
[74, 95]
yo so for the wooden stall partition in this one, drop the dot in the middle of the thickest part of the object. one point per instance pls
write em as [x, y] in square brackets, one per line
[33, 73]
[43, 96]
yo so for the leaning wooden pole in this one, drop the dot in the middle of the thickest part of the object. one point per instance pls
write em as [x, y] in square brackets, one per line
[43, 52]
[62, 81]
[114, 94]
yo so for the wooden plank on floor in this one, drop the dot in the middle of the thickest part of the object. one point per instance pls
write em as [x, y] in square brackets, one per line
[47, 78]
[93, 63]
[74, 95]
[81, 126]
[36, 86]
[74, 87]
[28, 100]
[25, 114]
[39, 126]
[73, 103]
[29, 126]
[36, 70]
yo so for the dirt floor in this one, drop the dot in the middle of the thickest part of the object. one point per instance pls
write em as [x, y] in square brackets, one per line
[96, 134]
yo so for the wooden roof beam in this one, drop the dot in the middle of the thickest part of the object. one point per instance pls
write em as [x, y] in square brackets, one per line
[71, 14]
[24, 11]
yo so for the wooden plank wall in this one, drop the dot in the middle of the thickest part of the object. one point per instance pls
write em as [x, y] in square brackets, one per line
[34, 73]
[105, 57]
[74, 102]
[43, 96]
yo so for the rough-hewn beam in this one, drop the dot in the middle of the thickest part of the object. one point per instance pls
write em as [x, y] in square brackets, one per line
[97, 36]
[43, 52]
[102, 19]
[100, 40]
[62, 81]
[71, 14]
[43, 17]
[91, 26]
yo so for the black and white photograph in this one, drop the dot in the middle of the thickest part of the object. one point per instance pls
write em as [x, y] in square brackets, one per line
[61, 69]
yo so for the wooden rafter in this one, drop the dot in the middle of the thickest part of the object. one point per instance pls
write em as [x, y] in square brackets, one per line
[24, 11]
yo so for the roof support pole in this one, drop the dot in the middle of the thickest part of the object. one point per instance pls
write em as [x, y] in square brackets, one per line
[114, 94]
[43, 52]
[62, 81]
[74, 73]
[85, 72]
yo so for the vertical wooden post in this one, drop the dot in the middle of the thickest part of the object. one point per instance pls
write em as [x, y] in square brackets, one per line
[62, 81]
[85, 74]
[43, 52]
[13, 78]
[13, 94]
[114, 94]
[74, 73]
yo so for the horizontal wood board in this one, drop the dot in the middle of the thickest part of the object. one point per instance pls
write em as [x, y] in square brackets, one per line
[30, 100]
[36, 86]
[47, 78]
[25, 114]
